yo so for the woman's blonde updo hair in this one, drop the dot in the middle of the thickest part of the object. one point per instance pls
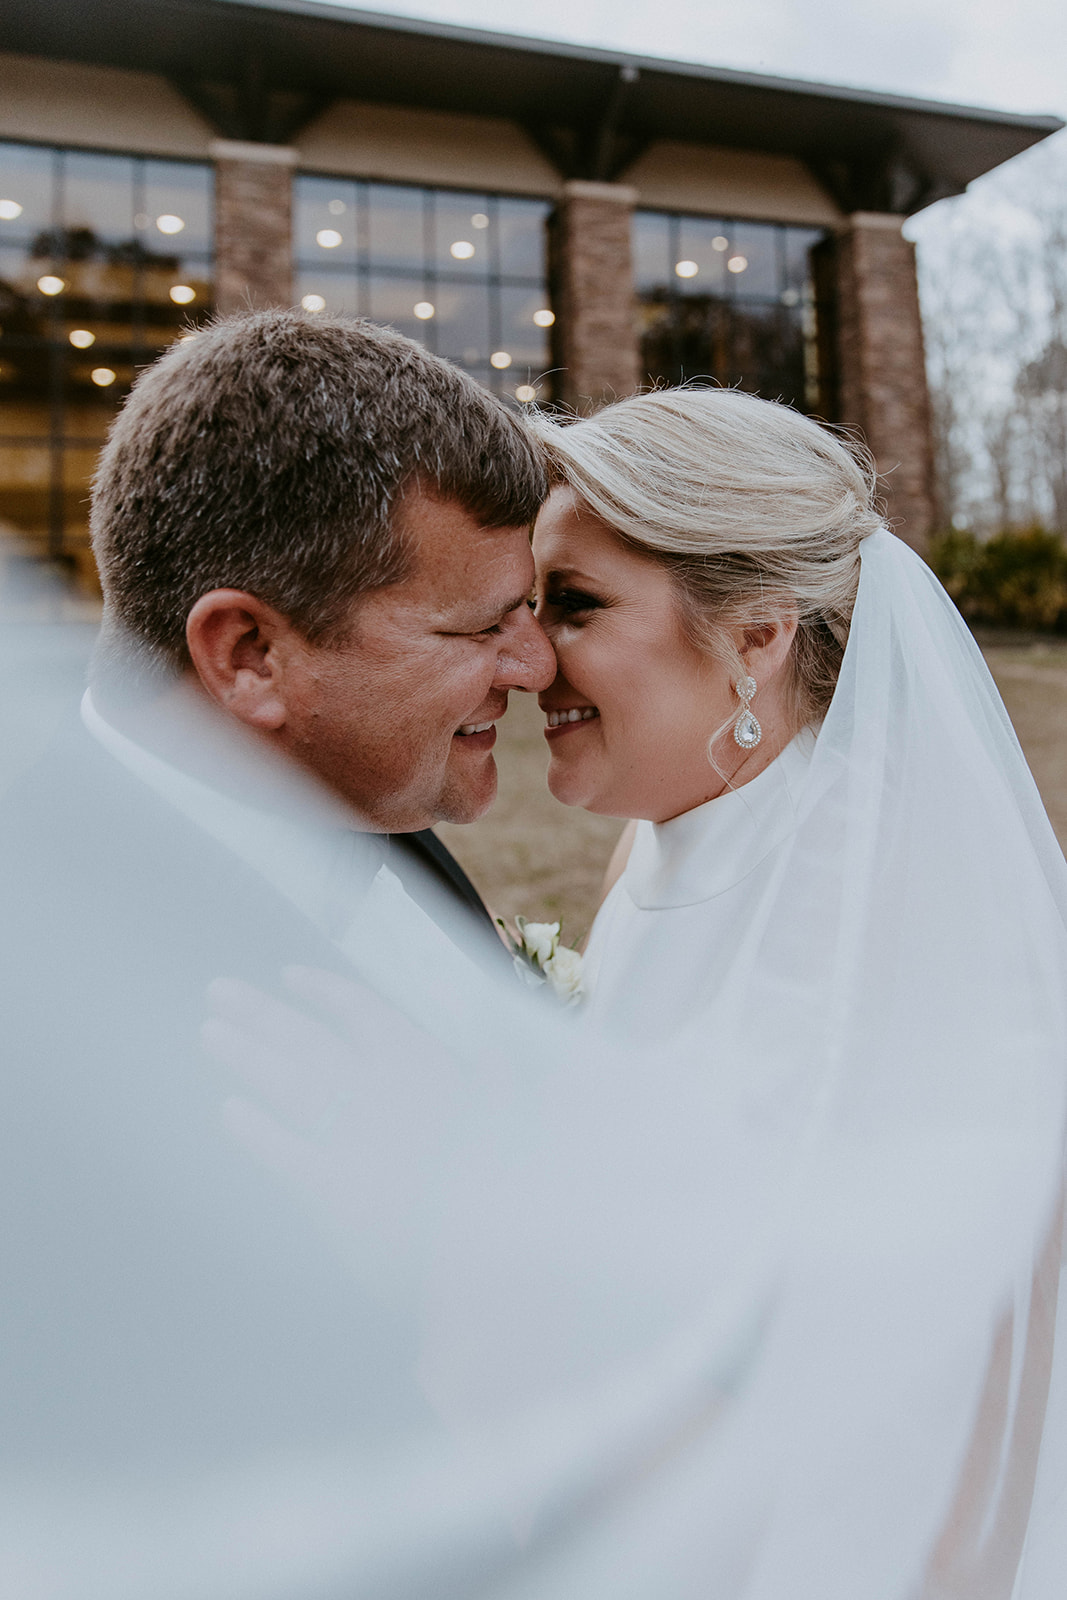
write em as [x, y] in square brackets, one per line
[750, 506]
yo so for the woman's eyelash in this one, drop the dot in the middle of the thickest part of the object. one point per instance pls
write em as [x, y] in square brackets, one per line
[572, 600]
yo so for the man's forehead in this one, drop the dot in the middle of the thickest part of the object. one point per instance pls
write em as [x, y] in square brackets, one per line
[455, 559]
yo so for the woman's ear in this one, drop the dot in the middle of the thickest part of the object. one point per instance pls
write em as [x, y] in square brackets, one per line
[237, 646]
[765, 646]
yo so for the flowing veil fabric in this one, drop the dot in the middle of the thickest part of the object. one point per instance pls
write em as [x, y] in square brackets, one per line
[408, 1286]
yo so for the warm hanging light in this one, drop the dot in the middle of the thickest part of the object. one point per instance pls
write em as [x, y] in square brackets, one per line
[720, 243]
[686, 269]
[500, 359]
[102, 377]
[737, 264]
[328, 238]
[182, 294]
[9, 210]
[313, 302]
[424, 310]
[525, 393]
[479, 220]
[81, 338]
[462, 249]
[337, 208]
[545, 318]
[51, 285]
[169, 223]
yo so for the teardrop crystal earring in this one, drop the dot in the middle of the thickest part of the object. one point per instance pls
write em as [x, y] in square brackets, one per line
[747, 731]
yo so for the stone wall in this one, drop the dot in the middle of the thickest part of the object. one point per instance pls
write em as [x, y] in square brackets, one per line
[881, 378]
[593, 294]
[253, 225]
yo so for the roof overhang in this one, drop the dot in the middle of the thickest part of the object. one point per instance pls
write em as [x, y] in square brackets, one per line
[262, 69]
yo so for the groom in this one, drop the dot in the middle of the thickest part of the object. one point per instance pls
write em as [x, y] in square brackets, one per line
[319, 530]
[313, 543]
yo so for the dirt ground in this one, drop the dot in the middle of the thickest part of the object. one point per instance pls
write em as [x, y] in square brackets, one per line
[535, 856]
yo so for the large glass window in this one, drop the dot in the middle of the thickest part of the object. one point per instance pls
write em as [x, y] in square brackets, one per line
[464, 273]
[104, 260]
[729, 302]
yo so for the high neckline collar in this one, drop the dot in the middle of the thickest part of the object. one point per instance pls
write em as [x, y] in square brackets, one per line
[708, 850]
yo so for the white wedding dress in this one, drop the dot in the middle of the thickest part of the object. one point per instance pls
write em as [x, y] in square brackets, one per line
[870, 937]
[740, 1285]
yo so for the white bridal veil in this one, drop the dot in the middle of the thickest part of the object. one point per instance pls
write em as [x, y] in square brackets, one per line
[344, 1268]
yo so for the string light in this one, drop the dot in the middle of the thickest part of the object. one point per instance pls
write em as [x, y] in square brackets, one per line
[168, 223]
[81, 338]
[545, 318]
[9, 210]
[479, 220]
[736, 264]
[525, 393]
[424, 310]
[313, 302]
[686, 269]
[102, 377]
[50, 285]
[328, 238]
[182, 294]
[500, 359]
[462, 249]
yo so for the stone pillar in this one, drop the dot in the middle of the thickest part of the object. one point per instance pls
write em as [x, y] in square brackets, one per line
[253, 225]
[593, 294]
[881, 366]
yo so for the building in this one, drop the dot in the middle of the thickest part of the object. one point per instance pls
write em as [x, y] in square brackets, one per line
[566, 223]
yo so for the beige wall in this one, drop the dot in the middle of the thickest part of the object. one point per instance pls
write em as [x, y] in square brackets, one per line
[57, 102]
[731, 183]
[371, 141]
[63, 103]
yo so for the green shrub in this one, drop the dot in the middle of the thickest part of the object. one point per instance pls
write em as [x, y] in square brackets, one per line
[1017, 579]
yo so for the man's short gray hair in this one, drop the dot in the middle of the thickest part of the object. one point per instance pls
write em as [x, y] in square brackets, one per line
[269, 453]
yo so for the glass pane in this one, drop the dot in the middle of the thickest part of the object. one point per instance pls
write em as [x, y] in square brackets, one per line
[521, 237]
[335, 292]
[703, 251]
[176, 192]
[653, 267]
[25, 489]
[798, 247]
[520, 335]
[26, 181]
[464, 240]
[756, 245]
[463, 326]
[393, 300]
[325, 222]
[395, 226]
[96, 202]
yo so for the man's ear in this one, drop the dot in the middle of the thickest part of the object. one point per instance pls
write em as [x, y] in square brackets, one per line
[237, 644]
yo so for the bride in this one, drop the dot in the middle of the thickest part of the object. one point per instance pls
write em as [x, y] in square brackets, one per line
[838, 871]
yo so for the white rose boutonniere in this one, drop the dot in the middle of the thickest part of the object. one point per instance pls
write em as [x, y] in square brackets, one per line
[541, 959]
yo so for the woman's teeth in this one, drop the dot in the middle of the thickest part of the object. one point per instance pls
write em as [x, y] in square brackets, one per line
[556, 719]
[475, 727]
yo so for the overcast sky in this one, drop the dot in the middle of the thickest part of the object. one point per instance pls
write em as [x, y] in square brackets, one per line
[977, 52]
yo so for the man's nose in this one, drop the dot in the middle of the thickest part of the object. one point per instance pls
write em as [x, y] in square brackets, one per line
[527, 660]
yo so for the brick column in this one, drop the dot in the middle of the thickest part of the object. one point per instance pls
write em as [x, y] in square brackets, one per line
[881, 366]
[593, 293]
[253, 225]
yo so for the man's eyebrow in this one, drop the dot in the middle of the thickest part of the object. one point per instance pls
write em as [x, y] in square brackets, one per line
[477, 621]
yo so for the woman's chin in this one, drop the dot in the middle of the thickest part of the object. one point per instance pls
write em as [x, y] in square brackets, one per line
[573, 788]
